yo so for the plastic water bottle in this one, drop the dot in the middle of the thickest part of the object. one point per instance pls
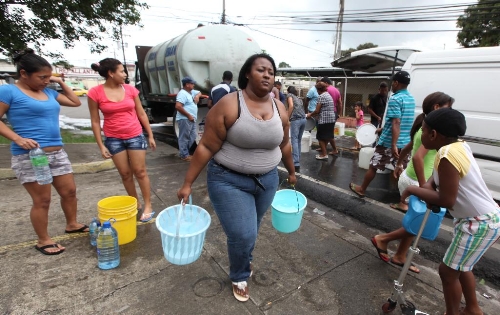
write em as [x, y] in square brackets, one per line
[108, 251]
[40, 164]
[94, 228]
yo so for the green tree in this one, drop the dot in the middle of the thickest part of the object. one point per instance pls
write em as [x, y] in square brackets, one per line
[360, 47]
[63, 63]
[284, 65]
[34, 22]
[480, 25]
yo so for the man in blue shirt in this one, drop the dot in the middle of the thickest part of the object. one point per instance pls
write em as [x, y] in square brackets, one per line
[185, 118]
[221, 89]
[395, 133]
[312, 98]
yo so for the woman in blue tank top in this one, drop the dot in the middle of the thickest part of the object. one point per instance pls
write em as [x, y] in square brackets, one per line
[245, 138]
[32, 109]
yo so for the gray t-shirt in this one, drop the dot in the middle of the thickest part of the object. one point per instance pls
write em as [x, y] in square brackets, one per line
[298, 108]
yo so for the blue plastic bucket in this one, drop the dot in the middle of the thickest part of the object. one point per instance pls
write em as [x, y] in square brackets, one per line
[287, 210]
[183, 230]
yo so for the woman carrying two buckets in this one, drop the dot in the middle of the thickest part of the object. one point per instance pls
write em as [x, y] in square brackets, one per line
[245, 138]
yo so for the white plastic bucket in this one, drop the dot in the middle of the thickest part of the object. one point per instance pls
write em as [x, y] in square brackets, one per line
[339, 129]
[365, 155]
[305, 143]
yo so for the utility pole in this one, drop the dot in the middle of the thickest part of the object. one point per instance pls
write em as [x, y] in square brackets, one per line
[127, 80]
[338, 36]
[223, 18]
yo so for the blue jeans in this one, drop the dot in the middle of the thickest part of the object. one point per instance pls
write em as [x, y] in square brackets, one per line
[240, 205]
[297, 130]
[187, 136]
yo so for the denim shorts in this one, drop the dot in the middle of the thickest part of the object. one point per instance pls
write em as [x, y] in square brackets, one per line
[58, 162]
[115, 145]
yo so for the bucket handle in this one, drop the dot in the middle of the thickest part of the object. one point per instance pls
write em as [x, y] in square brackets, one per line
[296, 195]
[181, 210]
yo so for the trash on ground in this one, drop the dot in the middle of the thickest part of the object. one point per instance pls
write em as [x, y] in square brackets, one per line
[316, 210]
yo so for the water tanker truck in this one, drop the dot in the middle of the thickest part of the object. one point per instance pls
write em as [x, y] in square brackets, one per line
[203, 54]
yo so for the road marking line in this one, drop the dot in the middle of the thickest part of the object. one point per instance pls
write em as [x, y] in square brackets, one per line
[56, 239]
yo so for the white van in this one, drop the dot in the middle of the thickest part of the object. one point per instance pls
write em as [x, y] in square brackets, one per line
[471, 76]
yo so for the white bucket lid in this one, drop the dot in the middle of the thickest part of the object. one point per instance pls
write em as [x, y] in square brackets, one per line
[366, 134]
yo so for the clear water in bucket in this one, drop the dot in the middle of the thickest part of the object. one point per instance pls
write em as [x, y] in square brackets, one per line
[289, 201]
[190, 221]
[183, 232]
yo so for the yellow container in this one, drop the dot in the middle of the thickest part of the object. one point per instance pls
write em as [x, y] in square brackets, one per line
[124, 210]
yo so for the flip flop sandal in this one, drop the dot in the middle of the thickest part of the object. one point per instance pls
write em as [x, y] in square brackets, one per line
[402, 264]
[45, 252]
[319, 157]
[240, 286]
[380, 251]
[80, 230]
[149, 217]
[352, 186]
[396, 206]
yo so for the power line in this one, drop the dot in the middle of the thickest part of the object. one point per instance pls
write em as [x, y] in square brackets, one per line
[286, 40]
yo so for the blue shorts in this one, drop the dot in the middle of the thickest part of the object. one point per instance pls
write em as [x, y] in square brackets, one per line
[115, 145]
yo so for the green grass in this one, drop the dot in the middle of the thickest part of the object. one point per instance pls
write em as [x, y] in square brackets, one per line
[67, 137]
[350, 133]
[70, 137]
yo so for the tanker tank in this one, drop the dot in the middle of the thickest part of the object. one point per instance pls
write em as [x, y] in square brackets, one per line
[203, 54]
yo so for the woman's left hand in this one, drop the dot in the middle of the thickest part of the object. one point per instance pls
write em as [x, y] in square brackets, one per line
[56, 79]
[152, 143]
[292, 180]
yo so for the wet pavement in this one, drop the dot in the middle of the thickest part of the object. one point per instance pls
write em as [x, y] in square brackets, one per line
[328, 266]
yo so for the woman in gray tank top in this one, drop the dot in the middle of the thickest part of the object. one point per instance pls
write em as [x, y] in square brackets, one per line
[297, 124]
[245, 138]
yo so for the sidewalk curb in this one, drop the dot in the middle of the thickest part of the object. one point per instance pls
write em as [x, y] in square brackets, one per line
[78, 168]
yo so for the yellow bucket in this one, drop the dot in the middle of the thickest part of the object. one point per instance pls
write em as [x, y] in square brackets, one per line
[124, 210]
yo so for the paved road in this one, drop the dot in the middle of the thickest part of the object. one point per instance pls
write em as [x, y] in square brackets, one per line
[81, 112]
[326, 267]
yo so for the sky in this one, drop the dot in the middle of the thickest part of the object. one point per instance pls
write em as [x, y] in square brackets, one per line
[265, 23]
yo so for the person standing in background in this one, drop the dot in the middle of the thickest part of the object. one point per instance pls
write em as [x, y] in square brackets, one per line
[221, 89]
[187, 111]
[376, 108]
[312, 97]
[395, 133]
[326, 121]
[124, 118]
[335, 94]
[32, 110]
[358, 109]
[297, 124]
